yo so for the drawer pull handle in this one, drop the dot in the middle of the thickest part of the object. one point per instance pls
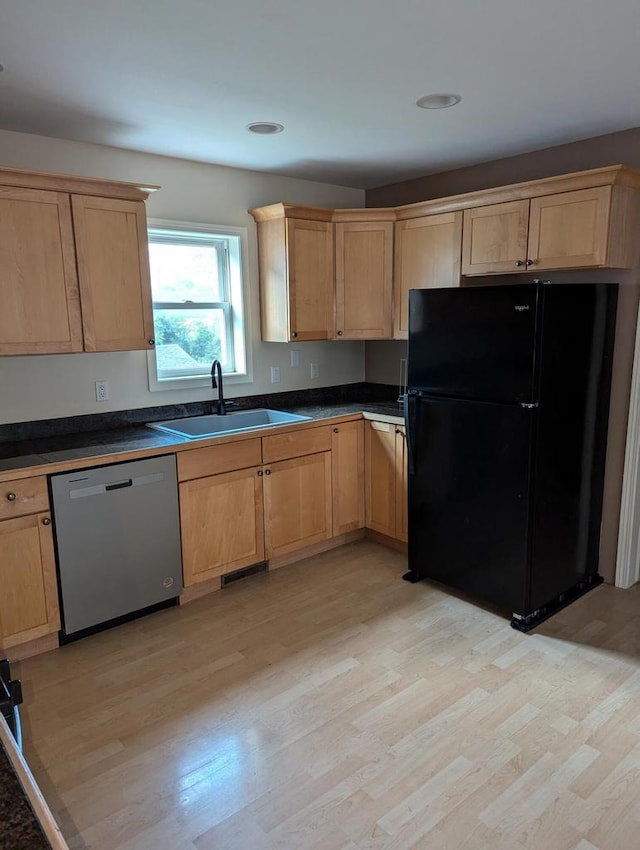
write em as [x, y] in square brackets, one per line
[46, 521]
[11, 497]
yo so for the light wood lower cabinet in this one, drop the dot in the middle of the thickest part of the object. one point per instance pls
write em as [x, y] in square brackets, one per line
[347, 478]
[221, 521]
[385, 479]
[297, 503]
[29, 597]
[256, 499]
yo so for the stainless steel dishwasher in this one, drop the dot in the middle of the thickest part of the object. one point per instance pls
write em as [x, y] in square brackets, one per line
[118, 540]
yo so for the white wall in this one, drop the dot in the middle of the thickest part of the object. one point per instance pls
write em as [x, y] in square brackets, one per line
[42, 387]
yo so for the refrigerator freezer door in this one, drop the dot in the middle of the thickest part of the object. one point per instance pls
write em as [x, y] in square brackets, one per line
[469, 497]
[474, 342]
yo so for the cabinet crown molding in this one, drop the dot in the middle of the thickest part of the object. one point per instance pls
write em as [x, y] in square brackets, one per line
[75, 185]
[611, 175]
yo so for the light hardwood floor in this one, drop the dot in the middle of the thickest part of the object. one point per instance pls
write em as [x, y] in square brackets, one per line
[332, 706]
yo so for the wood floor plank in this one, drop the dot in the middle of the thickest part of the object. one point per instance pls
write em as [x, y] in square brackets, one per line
[331, 706]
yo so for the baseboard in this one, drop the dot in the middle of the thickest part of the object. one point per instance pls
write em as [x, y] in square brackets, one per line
[316, 549]
[202, 588]
[31, 648]
[389, 542]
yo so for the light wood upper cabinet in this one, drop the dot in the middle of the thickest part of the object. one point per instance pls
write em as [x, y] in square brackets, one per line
[427, 254]
[364, 279]
[74, 266]
[347, 476]
[40, 305]
[590, 227]
[295, 253]
[586, 228]
[113, 271]
[494, 238]
[29, 597]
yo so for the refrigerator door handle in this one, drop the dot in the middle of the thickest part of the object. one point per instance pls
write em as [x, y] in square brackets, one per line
[410, 424]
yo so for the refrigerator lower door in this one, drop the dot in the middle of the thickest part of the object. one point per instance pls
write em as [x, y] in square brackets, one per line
[469, 497]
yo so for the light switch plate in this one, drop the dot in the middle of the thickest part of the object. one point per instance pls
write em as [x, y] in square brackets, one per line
[315, 370]
[295, 357]
[275, 374]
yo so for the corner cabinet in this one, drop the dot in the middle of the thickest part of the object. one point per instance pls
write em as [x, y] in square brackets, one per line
[295, 256]
[29, 599]
[74, 266]
[586, 228]
[386, 479]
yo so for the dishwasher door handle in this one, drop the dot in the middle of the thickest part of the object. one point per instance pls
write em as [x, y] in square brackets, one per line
[120, 484]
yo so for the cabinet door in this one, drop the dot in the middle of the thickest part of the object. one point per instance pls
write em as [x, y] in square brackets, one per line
[310, 271]
[113, 270]
[570, 230]
[347, 476]
[402, 512]
[364, 270]
[39, 300]
[494, 238]
[380, 477]
[297, 503]
[221, 522]
[29, 598]
[427, 253]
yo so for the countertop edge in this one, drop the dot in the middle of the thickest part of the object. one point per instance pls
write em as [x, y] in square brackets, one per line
[25, 777]
[185, 444]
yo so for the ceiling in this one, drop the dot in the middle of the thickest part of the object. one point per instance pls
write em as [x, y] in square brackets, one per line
[185, 78]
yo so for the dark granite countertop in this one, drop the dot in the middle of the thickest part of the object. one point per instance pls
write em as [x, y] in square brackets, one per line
[118, 435]
[19, 827]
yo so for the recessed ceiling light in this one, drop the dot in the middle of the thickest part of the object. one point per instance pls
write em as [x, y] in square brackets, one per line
[265, 128]
[438, 101]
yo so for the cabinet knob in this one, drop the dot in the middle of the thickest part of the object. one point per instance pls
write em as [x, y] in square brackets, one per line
[339, 333]
[46, 521]
[529, 262]
[151, 341]
[11, 497]
[294, 334]
[336, 430]
[519, 263]
[267, 472]
[260, 473]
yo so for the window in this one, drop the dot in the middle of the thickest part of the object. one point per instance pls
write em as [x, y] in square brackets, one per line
[196, 284]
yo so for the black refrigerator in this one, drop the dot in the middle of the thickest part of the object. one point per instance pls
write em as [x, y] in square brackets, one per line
[506, 414]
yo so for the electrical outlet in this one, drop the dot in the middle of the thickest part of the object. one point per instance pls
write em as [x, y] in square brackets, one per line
[102, 390]
[315, 370]
[275, 374]
[295, 357]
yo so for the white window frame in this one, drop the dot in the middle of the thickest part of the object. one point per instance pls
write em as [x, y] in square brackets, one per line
[237, 315]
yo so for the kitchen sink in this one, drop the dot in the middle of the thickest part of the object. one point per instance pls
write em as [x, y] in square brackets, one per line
[195, 427]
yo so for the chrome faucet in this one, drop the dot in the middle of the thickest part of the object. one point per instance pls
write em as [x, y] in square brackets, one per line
[216, 383]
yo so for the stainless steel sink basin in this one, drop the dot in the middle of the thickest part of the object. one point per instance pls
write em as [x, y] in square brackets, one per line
[195, 427]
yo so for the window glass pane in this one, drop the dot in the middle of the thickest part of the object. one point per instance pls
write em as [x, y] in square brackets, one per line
[189, 340]
[185, 273]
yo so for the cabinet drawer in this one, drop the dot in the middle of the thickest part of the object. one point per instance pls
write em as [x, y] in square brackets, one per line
[198, 463]
[296, 444]
[23, 496]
